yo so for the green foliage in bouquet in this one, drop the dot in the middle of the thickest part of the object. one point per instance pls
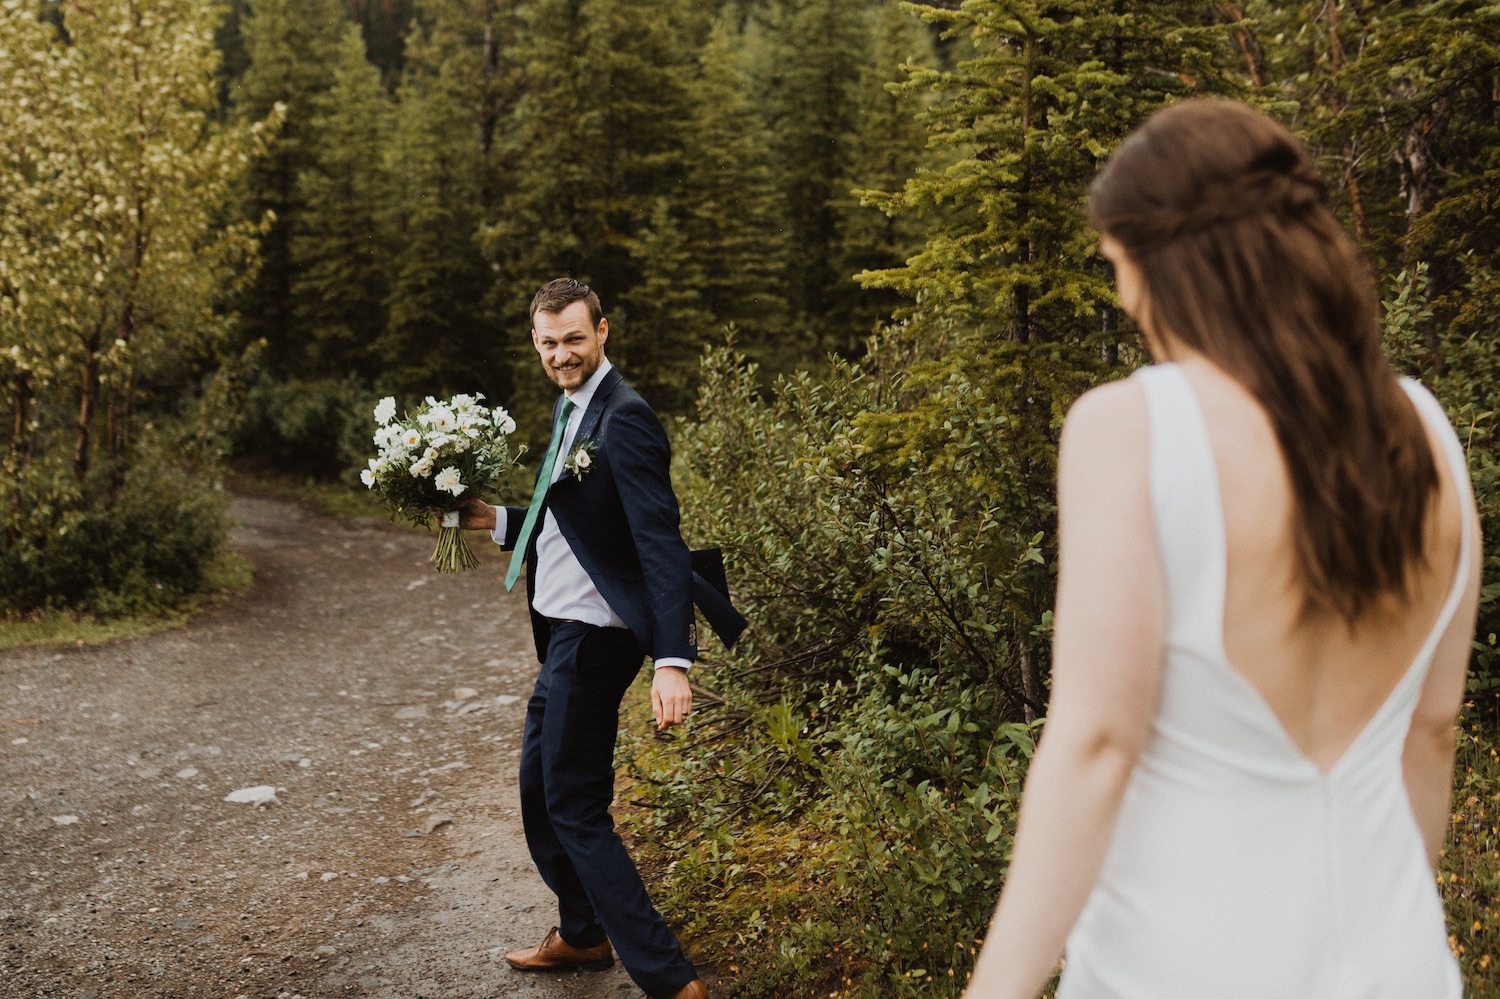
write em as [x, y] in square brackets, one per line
[430, 459]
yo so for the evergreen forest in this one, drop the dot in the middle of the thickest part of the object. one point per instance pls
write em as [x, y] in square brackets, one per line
[843, 251]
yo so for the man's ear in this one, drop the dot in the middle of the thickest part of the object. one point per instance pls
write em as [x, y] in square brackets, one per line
[603, 331]
[535, 340]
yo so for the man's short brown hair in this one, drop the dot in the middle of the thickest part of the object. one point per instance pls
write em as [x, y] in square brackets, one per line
[560, 293]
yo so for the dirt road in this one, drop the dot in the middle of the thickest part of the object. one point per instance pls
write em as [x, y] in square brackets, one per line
[381, 701]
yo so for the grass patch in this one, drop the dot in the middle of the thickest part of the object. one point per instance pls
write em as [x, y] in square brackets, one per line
[230, 573]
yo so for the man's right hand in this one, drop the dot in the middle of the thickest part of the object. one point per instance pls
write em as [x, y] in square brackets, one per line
[474, 514]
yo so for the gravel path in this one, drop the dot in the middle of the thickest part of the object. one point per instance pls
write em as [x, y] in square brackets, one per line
[382, 702]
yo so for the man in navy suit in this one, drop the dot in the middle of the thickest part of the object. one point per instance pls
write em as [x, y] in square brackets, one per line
[610, 582]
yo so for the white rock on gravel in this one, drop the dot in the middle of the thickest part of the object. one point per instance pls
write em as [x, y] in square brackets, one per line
[65, 820]
[261, 794]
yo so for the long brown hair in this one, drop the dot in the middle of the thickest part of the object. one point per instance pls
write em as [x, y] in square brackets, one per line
[1243, 261]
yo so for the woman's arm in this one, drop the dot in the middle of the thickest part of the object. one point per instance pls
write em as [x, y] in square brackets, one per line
[1427, 758]
[1106, 675]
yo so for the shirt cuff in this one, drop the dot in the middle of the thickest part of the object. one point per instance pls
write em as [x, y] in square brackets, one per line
[673, 661]
[498, 534]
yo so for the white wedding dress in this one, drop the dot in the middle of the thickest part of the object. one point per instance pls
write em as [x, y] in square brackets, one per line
[1238, 868]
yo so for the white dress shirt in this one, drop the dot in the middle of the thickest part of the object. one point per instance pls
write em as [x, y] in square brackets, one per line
[564, 590]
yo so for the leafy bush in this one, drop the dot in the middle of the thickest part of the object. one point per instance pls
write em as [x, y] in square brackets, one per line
[318, 427]
[890, 539]
[1469, 872]
[126, 542]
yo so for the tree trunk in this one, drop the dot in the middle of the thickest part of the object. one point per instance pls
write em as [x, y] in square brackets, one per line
[23, 403]
[88, 399]
[1021, 298]
[1255, 63]
[489, 112]
[1031, 681]
[1356, 200]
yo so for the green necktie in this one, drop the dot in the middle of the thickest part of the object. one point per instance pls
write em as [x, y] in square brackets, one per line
[538, 496]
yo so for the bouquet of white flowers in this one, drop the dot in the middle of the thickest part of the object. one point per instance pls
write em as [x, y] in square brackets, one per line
[430, 458]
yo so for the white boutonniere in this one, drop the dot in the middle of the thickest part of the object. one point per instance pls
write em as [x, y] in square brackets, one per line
[581, 461]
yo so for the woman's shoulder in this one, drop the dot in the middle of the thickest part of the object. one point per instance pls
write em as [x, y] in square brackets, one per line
[1107, 434]
[1115, 409]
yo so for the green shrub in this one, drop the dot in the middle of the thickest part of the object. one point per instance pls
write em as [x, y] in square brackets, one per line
[1469, 872]
[320, 428]
[134, 544]
[890, 538]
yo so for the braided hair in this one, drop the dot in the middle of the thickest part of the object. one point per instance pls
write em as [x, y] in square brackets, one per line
[1244, 262]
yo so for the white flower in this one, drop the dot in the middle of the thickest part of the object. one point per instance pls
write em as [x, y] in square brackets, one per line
[386, 411]
[441, 418]
[421, 469]
[503, 421]
[581, 460]
[368, 478]
[449, 481]
[412, 437]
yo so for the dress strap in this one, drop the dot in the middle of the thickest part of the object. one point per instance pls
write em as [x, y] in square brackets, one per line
[1432, 414]
[1186, 508]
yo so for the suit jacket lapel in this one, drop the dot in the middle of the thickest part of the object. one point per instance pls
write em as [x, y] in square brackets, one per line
[595, 412]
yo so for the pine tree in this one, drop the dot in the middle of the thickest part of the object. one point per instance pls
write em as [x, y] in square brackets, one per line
[383, 25]
[293, 48]
[1050, 88]
[1009, 314]
[667, 305]
[731, 210]
[468, 49]
[456, 96]
[338, 286]
[889, 147]
[810, 66]
[592, 144]
[439, 337]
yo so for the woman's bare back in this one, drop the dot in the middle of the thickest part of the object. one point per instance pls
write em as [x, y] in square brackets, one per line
[1322, 680]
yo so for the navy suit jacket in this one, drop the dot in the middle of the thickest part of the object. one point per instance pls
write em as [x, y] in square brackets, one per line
[622, 522]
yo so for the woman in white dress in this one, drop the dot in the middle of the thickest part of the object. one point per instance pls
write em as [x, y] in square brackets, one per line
[1269, 575]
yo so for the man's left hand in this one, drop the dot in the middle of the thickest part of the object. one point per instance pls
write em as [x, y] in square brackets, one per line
[671, 696]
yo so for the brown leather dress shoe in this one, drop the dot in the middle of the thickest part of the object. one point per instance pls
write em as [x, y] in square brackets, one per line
[556, 954]
[692, 990]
